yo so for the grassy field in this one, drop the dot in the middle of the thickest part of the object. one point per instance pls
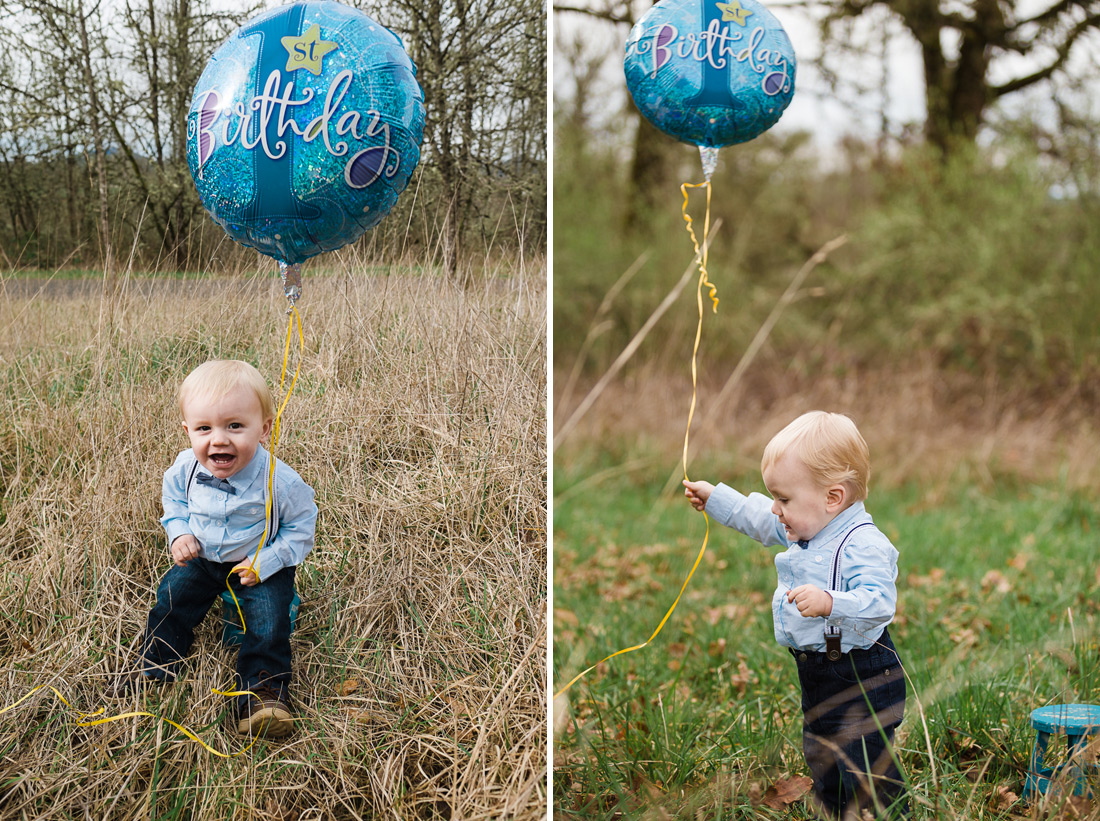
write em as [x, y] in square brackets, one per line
[420, 647]
[997, 613]
[955, 324]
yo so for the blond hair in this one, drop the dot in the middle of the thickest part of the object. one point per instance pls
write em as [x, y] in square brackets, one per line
[217, 378]
[831, 448]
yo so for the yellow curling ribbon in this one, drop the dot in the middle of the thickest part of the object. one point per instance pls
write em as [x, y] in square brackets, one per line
[83, 720]
[713, 294]
[702, 268]
[295, 319]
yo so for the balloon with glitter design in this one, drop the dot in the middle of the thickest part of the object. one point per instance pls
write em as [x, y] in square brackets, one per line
[708, 72]
[304, 128]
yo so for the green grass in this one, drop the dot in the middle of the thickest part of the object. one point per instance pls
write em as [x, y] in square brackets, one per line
[996, 616]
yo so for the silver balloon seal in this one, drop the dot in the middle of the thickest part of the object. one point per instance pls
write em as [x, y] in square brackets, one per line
[709, 156]
[292, 282]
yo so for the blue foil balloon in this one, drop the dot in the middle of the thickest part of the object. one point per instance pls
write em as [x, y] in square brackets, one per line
[304, 128]
[710, 73]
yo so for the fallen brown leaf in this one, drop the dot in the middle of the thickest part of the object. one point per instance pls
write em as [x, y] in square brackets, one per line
[728, 612]
[935, 575]
[1003, 798]
[349, 686]
[361, 716]
[786, 791]
[995, 580]
[743, 678]
[568, 617]
[457, 707]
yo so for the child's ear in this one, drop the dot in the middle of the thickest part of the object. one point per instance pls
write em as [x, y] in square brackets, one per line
[835, 497]
[185, 430]
[267, 428]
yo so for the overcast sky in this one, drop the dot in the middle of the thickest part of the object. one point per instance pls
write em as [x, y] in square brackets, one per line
[813, 108]
[893, 85]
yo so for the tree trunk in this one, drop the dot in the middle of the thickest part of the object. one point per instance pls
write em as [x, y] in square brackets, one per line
[648, 174]
[182, 61]
[100, 152]
[959, 90]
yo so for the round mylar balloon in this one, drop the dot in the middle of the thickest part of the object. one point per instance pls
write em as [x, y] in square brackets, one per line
[304, 128]
[708, 72]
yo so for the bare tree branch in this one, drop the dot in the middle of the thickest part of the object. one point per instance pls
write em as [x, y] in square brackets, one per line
[599, 14]
[1088, 24]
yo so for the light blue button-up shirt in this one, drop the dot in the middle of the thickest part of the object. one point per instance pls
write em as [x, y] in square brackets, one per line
[229, 526]
[867, 598]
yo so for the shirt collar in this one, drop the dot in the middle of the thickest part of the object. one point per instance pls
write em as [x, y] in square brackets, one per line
[839, 525]
[246, 476]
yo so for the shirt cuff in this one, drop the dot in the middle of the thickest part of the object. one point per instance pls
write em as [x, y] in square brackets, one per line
[844, 605]
[723, 502]
[176, 529]
[267, 565]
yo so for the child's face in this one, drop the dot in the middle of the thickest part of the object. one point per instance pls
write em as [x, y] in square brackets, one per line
[225, 432]
[802, 505]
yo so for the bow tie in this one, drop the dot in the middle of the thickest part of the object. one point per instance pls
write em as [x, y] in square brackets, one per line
[217, 484]
[803, 543]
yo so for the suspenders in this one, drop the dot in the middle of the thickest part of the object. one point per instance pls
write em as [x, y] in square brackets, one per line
[832, 633]
[273, 519]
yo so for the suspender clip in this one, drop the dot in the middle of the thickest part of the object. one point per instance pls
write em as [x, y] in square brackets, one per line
[832, 646]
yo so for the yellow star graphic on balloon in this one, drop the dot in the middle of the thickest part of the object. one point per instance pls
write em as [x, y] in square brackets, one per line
[733, 12]
[306, 51]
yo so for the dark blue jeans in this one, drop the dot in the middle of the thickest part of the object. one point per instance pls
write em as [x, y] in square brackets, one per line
[184, 596]
[851, 708]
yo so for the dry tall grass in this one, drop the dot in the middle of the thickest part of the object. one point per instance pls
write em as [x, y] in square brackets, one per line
[923, 424]
[420, 650]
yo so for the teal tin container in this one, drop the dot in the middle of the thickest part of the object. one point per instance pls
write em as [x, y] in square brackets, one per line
[231, 622]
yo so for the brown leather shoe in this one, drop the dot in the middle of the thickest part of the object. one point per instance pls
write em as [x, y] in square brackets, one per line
[265, 713]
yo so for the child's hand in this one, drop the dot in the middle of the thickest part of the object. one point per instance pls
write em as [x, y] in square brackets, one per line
[185, 548]
[697, 493]
[248, 576]
[812, 601]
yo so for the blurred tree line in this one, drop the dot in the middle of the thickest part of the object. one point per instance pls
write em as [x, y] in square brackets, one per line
[93, 161]
[972, 236]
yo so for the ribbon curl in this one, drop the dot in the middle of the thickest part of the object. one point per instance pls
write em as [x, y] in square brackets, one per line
[83, 717]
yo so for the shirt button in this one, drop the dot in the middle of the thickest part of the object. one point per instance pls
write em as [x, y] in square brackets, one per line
[817, 559]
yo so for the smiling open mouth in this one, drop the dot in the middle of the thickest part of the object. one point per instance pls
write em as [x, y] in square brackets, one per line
[221, 458]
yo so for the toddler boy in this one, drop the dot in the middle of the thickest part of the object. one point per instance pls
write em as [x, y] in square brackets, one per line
[214, 516]
[835, 596]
